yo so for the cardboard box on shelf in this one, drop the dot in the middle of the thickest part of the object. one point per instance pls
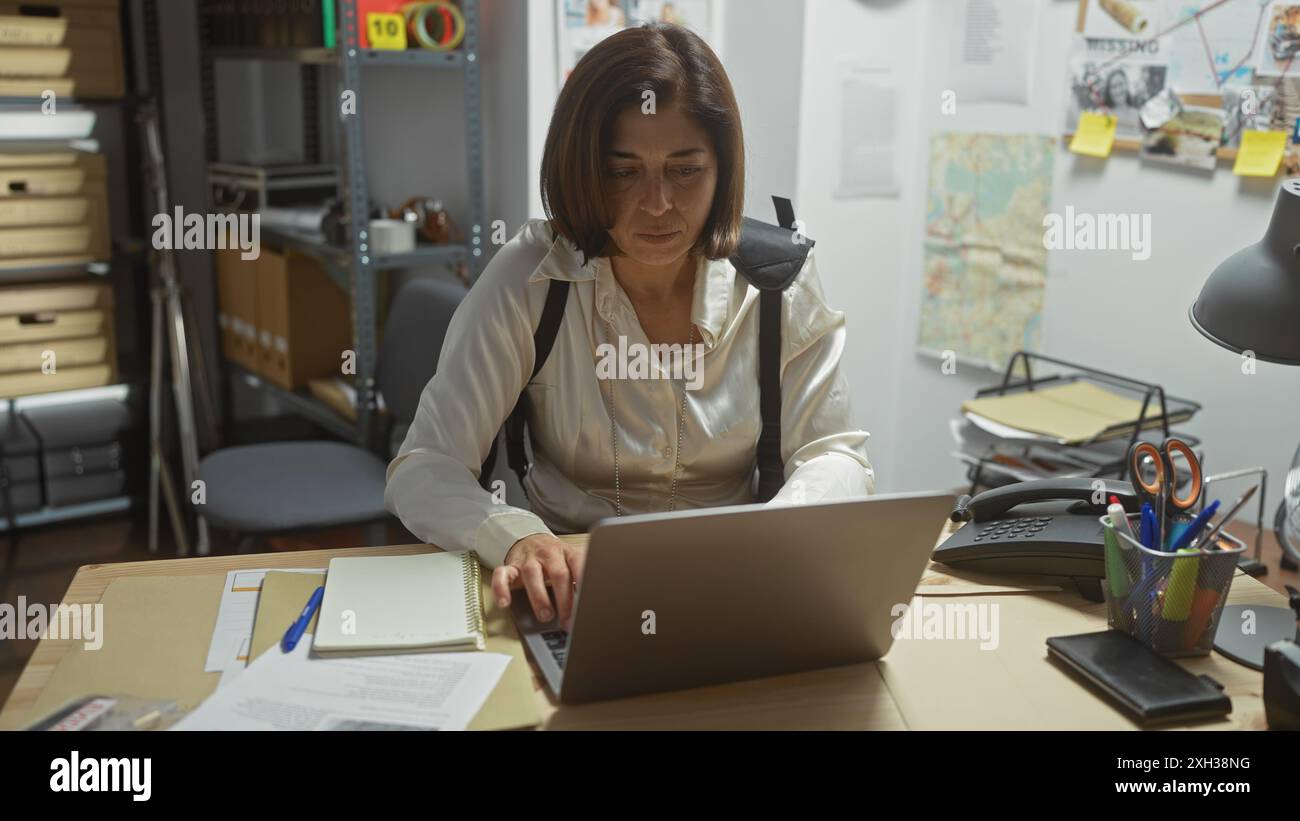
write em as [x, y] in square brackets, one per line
[30, 356]
[38, 61]
[56, 296]
[35, 86]
[304, 320]
[30, 211]
[64, 379]
[36, 156]
[54, 205]
[49, 182]
[89, 53]
[56, 337]
[32, 30]
[237, 308]
[36, 327]
[49, 240]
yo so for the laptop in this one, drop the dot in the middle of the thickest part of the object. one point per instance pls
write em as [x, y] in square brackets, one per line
[676, 600]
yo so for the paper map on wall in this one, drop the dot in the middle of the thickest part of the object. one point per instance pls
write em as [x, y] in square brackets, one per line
[985, 264]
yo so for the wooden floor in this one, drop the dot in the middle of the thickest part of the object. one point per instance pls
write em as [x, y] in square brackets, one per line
[48, 557]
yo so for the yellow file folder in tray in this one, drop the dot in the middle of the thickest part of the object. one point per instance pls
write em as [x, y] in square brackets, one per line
[1076, 408]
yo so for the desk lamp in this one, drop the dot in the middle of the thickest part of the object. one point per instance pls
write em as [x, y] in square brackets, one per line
[1252, 300]
[1251, 303]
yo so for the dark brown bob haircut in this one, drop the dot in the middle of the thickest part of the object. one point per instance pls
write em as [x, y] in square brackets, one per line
[681, 69]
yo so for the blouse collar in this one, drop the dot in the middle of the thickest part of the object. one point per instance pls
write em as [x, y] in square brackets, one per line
[714, 279]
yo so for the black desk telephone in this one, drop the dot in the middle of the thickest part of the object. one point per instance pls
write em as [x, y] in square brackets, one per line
[1045, 527]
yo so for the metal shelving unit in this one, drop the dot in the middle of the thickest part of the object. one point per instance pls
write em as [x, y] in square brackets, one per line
[66, 513]
[12, 524]
[301, 402]
[313, 56]
[355, 268]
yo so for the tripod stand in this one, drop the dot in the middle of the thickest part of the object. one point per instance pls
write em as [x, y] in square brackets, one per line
[169, 318]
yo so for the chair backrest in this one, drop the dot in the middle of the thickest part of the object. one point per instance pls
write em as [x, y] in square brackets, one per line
[413, 335]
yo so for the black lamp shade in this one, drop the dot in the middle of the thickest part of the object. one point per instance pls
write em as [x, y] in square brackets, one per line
[1252, 300]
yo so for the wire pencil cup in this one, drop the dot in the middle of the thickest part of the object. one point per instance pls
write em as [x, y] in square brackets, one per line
[1171, 602]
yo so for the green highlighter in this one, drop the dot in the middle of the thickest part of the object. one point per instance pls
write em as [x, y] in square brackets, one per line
[1116, 574]
[1182, 587]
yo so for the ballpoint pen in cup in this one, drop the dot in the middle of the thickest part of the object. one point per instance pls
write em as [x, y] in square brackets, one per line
[1208, 542]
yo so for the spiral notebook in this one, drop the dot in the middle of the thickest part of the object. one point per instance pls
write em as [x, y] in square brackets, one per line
[401, 604]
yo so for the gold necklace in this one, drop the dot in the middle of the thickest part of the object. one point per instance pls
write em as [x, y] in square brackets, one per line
[613, 431]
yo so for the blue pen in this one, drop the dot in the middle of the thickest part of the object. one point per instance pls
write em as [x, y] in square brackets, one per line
[1197, 525]
[1146, 531]
[295, 631]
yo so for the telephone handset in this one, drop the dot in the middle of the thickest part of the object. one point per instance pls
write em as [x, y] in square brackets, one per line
[1044, 527]
[992, 504]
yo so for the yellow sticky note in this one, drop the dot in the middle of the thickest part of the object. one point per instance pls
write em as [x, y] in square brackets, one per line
[1095, 135]
[386, 31]
[1260, 154]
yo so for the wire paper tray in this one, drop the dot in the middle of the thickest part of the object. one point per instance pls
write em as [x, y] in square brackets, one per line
[1100, 456]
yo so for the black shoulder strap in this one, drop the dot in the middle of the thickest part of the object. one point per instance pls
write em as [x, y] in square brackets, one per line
[770, 257]
[548, 328]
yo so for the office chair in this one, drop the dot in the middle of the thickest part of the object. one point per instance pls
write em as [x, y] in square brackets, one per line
[264, 489]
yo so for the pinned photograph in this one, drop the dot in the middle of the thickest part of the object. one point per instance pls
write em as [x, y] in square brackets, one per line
[1190, 139]
[1160, 109]
[1271, 107]
[1279, 40]
[1285, 111]
[1121, 88]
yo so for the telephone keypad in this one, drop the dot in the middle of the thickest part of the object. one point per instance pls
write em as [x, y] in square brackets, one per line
[1011, 528]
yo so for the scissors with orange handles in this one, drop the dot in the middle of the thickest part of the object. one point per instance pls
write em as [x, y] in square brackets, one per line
[1156, 479]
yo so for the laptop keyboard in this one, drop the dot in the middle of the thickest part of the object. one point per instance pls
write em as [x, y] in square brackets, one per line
[557, 641]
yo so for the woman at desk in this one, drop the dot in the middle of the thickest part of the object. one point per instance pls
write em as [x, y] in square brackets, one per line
[643, 184]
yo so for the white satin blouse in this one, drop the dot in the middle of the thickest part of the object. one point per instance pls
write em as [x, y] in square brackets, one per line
[432, 484]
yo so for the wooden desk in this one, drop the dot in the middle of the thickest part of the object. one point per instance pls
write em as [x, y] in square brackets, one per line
[852, 697]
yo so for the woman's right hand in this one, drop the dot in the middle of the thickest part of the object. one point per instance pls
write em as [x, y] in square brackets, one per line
[532, 563]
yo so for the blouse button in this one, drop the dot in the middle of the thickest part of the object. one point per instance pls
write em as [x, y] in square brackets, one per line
[668, 453]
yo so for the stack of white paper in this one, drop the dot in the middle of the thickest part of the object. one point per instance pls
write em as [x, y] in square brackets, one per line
[292, 691]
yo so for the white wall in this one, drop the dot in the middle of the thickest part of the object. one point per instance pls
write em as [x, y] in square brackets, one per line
[861, 248]
[767, 80]
[543, 88]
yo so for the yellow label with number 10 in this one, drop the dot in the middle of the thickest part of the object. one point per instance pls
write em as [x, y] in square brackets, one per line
[386, 31]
